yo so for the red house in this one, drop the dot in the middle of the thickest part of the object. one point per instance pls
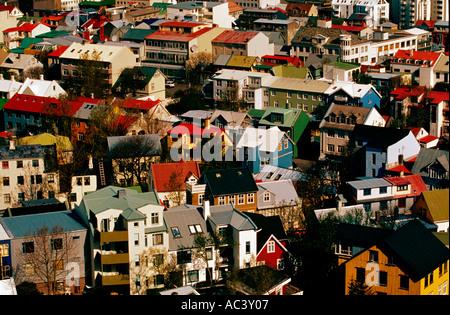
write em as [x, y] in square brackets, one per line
[271, 241]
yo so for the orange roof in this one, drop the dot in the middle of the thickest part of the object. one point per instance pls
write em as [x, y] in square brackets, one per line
[175, 36]
[161, 173]
[235, 37]
[233, 7]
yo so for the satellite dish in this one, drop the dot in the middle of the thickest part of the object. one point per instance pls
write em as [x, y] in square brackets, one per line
[194, 48]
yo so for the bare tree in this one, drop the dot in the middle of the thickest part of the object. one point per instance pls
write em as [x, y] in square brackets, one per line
[44, 256]
[176, 188]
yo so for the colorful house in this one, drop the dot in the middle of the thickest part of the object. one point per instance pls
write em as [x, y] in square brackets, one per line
[260, 146]
[407, 261]
[433, 206]
[292, 121]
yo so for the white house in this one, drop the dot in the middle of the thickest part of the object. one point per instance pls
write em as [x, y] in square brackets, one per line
[41, 87]
[376, 11]
[8, 87]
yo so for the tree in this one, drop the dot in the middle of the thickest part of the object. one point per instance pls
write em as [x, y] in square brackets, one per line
[44, 255]
[90, 69]
[198, 67]
[359, 288]
[176, 188]
[185, 100]
[132, 156]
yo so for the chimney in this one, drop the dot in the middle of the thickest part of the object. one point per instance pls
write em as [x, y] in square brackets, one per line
[91, 162]
[12, 146]
[206, 209]
[41, 77]
[121, 193]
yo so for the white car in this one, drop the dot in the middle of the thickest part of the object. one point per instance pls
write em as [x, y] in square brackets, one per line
[170, 84]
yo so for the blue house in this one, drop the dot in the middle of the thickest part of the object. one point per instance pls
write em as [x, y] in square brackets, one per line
[261, 146]
[353, 94]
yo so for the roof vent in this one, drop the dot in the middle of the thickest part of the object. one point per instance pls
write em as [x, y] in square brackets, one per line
[121, 193]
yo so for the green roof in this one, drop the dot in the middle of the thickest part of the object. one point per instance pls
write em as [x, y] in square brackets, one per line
[258, 113]
[3, 101]
[97, 3]
[28, 41]
[52, 34]
[344, 65]
[137, 34]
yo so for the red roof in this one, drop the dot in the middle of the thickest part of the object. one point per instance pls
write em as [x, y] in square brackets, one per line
[405, 91]
[428, 139]
[430, 24]
[5, 134]
[399, 168]
[161, 173]
[437, 96]
[122, 122]
[416, 181]
[191, 129]
[294, 60]
[58, 52]
[235, 37]
[8, 8]
[415, 55]
[350, 28]
[138, 104]
[25, 27]
[181, 24]
[43, 105]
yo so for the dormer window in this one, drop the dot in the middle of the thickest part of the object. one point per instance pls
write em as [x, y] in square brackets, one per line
[195, 229]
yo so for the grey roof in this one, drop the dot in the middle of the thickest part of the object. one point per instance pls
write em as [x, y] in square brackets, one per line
[20, 152]
[181, 217]
[84, 112]
[197, 113]
[369, 183]
[270, 172]
[222, 60]
[427, 157]
[283, 191]
[25, 225]
[228, 215]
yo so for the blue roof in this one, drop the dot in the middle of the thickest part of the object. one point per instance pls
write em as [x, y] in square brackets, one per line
[26, 225]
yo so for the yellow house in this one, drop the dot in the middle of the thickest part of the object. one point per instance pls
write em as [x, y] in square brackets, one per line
[408, 261]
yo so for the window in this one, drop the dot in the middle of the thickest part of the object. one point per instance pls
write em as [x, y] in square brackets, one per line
[383, 278]
[373, 256]
[20, 180]
[331, 148]
[271, 247]
[38, 179]
[5, 165]
[28, 269]
[193, 275]
[7, 198]
[367, 192]
[27, 247]
[200, 199]
[247, 247]
[176, 232]
[5, 181]
[136, 239]
[374, 159]
[221, 200]
[19, 164]
[56, 244]
[404, 282]
[195, 229]
[266, 196]
[157, 239]
[241, 199]
[331, 133]
[250, 198]
[401, 203]
[35, 163]
[231, 199]
[155, 218]
[383, 190]
[51, 178]
[360, 274]
[183, 257]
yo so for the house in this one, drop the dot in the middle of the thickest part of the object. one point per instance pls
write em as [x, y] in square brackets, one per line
[216, 13]
[301, 94]
[66, 249]
[408, 261]
[385, 83]
[272, 241]
[301, 9]
[375, 11]
[20, 64]
[244, 43]
[432, 206]
[433, 166]
[279, 198]
[252, 12]
[183, 224]
[342, 71]
[175, 42]
[225, 186]
[339, 123]
[405, 191]
[25, 175]
[362, 31]
[273, 173]
[260, 146]
[229, 119]
[420, 63]
[441, 71]
[287, 28]
[232, 85]
[6, 21]
[84, 181]
[145, 81]
[260, 280]
[135, 15]
[405, 98]
[354, 94]
[425, 140]
[292, 121]
[14, 35]
[8, 87]
[113, 59]
[131, 157]
[123, 223]
[330, 41]
[440, 34]
[439, 120]
[383, 149]
[169, 180]
[41, 87]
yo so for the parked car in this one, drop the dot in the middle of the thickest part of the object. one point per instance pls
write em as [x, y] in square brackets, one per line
[170, 84]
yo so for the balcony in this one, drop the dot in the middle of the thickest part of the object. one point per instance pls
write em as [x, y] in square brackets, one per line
[341, 98]
[115, 236]
[114, 278]
[111, 257]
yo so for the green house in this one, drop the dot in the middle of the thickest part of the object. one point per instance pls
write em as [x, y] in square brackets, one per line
[302, 94]
[293, 121]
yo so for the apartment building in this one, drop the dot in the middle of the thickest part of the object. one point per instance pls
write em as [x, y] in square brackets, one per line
[405, 13]
[375, 11]
[215, 13]
[244, 43]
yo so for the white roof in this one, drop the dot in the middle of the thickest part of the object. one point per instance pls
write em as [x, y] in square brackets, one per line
[265, 139]
[229, 74]
[9, 86]
[38, 87]
[416, 31]
[106, 52]
[351, 88]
